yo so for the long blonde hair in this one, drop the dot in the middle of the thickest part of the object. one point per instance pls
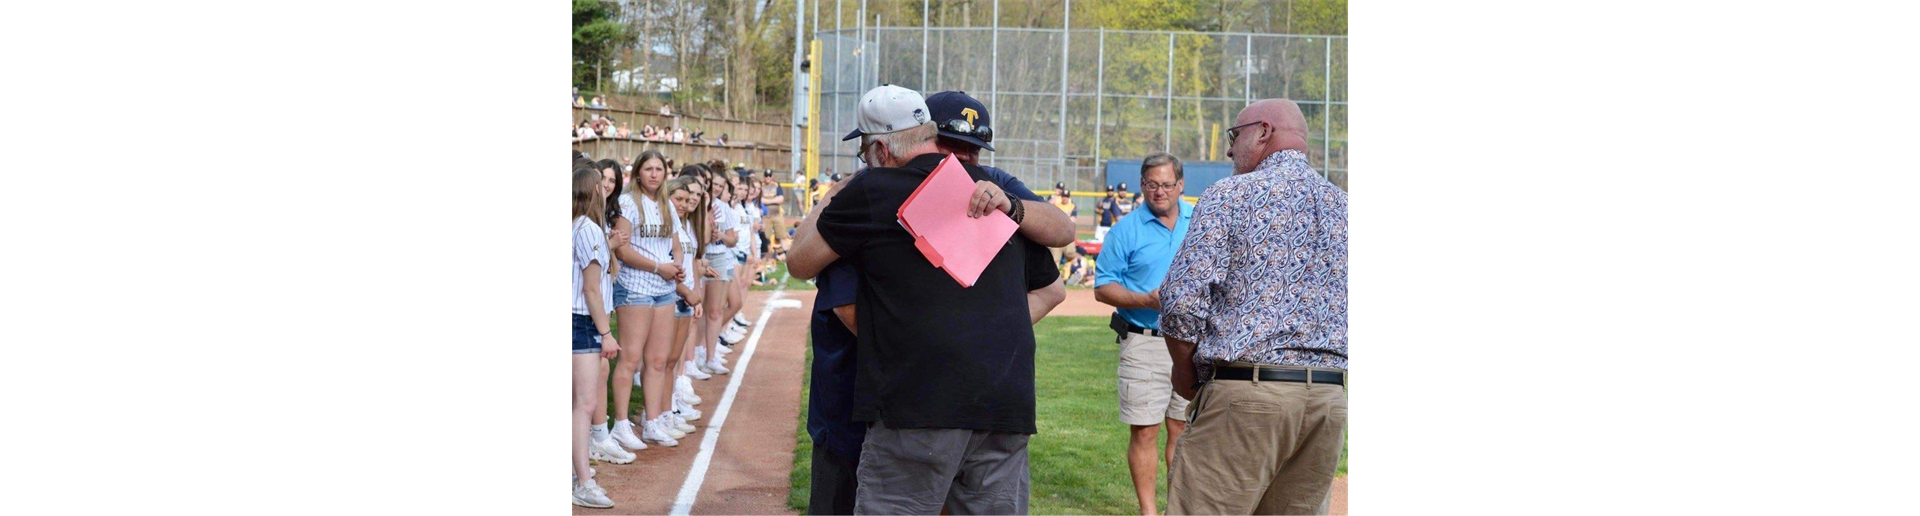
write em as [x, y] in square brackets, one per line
[696, 219]
[659, 196]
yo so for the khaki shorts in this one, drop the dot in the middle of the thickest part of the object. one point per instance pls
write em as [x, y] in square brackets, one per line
[1146, 382]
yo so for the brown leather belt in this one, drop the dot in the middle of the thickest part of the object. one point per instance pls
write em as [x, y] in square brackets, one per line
[1278, 374]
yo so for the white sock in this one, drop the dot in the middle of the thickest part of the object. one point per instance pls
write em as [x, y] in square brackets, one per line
[599, 431]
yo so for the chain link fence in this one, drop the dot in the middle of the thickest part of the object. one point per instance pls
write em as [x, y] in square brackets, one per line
[1063, 102]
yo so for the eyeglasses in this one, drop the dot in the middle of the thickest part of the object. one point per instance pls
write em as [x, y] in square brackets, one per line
[1234, 133]
[964, 128]
[862, 154]
[1152, 186]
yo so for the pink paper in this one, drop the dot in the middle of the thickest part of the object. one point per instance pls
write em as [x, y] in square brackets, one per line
[936, 216]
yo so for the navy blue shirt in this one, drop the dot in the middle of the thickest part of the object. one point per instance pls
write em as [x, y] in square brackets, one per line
[1109, 211]
[830, 398]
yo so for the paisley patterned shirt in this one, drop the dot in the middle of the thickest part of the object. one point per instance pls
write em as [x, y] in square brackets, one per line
[1262, 276]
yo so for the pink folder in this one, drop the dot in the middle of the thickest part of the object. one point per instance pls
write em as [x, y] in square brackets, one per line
[936, 216]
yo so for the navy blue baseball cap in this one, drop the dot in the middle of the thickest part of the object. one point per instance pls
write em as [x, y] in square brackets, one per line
[960, 117]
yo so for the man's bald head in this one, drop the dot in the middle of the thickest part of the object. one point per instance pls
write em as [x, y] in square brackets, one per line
[1278, 125]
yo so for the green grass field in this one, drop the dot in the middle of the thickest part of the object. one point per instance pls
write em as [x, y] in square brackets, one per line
[778, 272]
[1078, 459]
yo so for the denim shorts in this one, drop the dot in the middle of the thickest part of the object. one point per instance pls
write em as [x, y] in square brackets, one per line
[586, 339]
[723, 263]
[624, 297]
[681, 309]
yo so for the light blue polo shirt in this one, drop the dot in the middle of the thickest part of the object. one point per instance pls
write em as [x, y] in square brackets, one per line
[1136, 254]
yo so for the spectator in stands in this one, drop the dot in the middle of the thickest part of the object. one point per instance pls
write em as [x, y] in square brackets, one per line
[679, 135]
[666, 110]
[625, 131]
[576, 98]
[696, 137]
[584, 132]
[722, 140]
[647, 132]
[598, 103]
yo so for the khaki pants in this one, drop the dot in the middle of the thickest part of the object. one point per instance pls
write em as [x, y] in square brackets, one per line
[1259, 448]
[776, 227]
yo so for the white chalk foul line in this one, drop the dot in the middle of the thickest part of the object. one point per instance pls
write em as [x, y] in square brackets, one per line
[697, 474]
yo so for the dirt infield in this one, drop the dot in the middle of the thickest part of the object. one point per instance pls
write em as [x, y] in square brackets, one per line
[1339, 496]
[747, 473]
[1080, 302]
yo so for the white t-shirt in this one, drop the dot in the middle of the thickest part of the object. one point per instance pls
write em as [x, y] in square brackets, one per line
[589, 246]
[745, 214]
[723, 220]
[685, 234]
[649, 237]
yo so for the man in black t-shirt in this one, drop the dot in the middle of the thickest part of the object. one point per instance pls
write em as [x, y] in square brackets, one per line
[945, 373]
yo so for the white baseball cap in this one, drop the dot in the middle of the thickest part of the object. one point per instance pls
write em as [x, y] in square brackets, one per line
[889, 109]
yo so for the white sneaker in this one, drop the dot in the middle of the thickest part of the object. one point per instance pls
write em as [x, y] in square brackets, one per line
[742, 321]
[715, 368]
[623, 434]
[683, 389]
[693, 370]
[680, 424]
[652, 431]
[732, 335]
[605, 450]
[685, 411]
[668, 425]
[589, 494]
[725, 350]
[700, 357]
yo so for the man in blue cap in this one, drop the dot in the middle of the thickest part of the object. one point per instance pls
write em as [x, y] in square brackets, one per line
[965, 128]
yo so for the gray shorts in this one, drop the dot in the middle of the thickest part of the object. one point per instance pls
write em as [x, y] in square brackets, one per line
[919, 471]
